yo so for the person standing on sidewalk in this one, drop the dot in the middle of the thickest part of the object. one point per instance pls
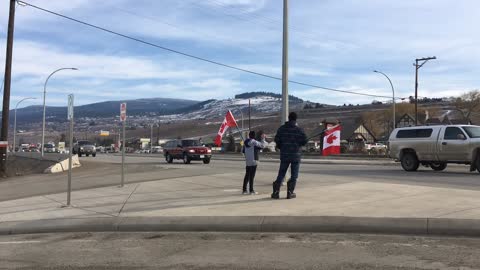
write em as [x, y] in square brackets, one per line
[289, 139]
[251, 147]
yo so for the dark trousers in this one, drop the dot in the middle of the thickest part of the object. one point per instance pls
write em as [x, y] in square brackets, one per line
[282, 171]
[249, 176]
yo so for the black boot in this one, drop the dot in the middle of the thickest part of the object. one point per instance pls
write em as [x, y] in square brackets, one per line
[290, 190]
[276, 191]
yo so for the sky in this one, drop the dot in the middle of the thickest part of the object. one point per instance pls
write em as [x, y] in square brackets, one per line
[332, 43]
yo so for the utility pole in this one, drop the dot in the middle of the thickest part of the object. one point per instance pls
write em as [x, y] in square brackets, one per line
[417, 67]
[285, 64]
[6, 88]
[151, 138]
[249, 116]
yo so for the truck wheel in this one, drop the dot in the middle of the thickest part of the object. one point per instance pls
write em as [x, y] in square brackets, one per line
[438, 166]
[186, 159]
[206, 161]
[94, 154]
[169, 158]
[410, 162]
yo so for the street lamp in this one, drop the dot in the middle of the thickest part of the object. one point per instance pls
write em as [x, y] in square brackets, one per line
[15, 121]
[393, 97]
[417, 67]
[44, 96]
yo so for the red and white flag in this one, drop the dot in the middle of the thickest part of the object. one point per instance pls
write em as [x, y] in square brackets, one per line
[229, 121]
[331, 141]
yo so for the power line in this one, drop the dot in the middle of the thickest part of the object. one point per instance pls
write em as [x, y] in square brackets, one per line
[247, 15]
[194, 56]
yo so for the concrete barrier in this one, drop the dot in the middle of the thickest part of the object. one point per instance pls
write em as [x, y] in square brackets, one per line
[62, 166]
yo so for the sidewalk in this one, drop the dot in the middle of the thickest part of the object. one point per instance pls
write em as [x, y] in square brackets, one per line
[214, 203]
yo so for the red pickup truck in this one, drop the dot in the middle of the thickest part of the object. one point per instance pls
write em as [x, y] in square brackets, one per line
[186, 150]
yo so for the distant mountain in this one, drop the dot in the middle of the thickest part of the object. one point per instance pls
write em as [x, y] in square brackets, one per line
[217, 108]
[152, 106]
[291, 99]
[261, 102]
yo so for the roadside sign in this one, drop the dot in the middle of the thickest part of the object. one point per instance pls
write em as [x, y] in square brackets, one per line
[123, 112]
[104, 133]
[70, 107]
[3, 144]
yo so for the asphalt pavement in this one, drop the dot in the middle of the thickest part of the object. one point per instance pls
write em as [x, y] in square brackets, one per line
[104, 170]
[236, 251]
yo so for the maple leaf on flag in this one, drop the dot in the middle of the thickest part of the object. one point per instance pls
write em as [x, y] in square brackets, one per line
[331, 138]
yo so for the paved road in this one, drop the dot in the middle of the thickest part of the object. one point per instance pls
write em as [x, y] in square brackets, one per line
[104, 170]
[235, 251]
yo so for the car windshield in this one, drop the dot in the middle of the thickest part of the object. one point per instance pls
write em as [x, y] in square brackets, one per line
[191, 143]
[84, 143]
[473, 132]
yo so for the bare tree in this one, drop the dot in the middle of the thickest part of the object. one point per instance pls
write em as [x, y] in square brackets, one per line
[468, 103]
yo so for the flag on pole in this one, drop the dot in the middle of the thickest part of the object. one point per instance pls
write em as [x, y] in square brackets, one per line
[229, 121]
[331, 141]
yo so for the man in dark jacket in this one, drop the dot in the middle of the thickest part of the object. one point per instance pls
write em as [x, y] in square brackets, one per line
[289, 139]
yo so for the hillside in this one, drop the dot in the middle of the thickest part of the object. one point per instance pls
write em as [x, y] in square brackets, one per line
[174, 109]
[153, 106]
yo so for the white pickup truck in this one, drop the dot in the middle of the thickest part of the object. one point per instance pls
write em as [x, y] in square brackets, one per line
[435, 146]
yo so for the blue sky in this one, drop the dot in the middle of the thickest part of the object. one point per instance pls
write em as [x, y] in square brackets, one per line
[333, 43]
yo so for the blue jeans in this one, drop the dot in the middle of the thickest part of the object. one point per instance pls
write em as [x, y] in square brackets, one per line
[295, 167]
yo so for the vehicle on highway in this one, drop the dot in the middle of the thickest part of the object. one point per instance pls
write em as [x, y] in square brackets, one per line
[49, 148]
[84, 148]
[186, 150]
[436, 146]
[157, 149]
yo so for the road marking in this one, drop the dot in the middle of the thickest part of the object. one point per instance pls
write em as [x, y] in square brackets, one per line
[231, 190]
[19, 242]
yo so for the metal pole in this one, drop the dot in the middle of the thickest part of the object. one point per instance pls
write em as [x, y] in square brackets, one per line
[123, 155]
[393, 97]
[151, 139]
[249, 115]
[14, 129]
[44, 101]
[70, 150]
[6, 89]
[285, 64]
[416, 92]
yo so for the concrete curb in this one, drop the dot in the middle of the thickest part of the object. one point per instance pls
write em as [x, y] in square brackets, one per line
[265, 224]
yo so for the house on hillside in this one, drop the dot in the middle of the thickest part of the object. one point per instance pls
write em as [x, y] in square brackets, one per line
[354, 135]
[405, 120]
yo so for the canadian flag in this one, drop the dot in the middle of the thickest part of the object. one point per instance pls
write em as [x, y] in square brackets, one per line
[331, 141]
[229, 121]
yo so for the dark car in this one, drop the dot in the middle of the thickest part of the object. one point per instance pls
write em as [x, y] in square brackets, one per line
[84, 148]
[49, 148]
[187, 150]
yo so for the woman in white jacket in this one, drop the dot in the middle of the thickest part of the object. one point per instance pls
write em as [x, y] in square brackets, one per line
[251, 147]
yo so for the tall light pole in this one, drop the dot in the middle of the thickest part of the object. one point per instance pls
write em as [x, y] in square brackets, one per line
[15, 121]
[44, 96]
[393, 97]
[285, 64]
[417, 67]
